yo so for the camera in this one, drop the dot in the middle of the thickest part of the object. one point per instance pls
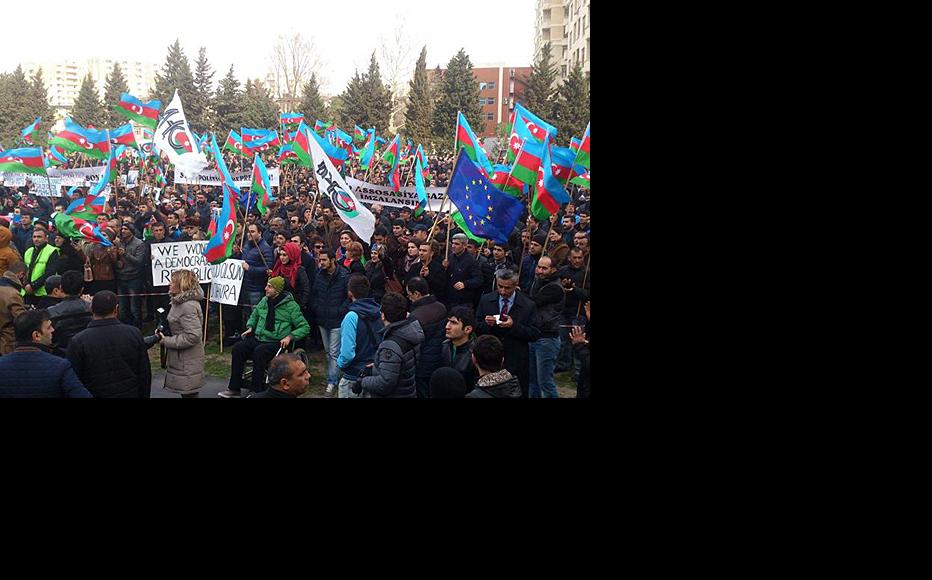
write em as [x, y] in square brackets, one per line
[161, 319]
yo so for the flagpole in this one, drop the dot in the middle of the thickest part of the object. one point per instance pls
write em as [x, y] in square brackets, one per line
[220, 307]
[585, 275]
[207, 311]
[446, 196]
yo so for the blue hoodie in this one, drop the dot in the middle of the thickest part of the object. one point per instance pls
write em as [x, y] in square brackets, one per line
[359, 341]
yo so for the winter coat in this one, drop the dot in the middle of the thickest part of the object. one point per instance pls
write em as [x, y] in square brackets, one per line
[500, 385]
[288, 320]
[516, 339]
[359, 337]
[70, 258]
[134, 257]
[22, 238]
[375, 273]
[8, 253]
[436, 278]
[432, 316]
[461, 362]
[32, 372]
[466, 269]
[548, 295]
[111, 360]
[302, 294]
[255, 278]
[184, 349]
[329, 300]
[395, 361]
[103, 261]
[69, 317]
[580, 292]
[11, 306]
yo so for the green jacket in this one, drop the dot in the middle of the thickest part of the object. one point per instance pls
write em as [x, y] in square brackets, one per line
[288, 320]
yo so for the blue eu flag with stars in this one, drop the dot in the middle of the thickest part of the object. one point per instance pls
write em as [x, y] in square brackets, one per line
[488, 212]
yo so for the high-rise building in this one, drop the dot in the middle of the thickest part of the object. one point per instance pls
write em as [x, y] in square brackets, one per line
[63, 78]
[565, 25]
[499, 88]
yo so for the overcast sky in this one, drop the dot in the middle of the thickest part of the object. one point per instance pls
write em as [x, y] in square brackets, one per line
[344, 32]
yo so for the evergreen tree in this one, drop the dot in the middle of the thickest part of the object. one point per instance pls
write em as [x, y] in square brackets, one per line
[175, 75]
[571, 110]
[198, 109]
[114, 89]
[312, 105]
[260, 111]
[15, 107]
[459, 91]
[228, 106]
[352, 108]
[39, 100]
[539, 93]
[87, 109]
[377, 99]
[418, 116]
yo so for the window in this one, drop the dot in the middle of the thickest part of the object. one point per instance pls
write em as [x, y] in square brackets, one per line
[491, 85]
[490, 116]
[490, 101]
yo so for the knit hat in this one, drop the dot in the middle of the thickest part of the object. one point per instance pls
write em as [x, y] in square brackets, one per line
[278, 283]
[540, 239]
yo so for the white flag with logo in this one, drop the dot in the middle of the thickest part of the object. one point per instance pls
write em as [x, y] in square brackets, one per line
[173, 136]
[331, 184]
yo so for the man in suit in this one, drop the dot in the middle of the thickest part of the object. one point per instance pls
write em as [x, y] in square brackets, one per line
[515, 325]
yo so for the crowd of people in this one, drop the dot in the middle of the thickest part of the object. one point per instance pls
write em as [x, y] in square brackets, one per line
[419, 310]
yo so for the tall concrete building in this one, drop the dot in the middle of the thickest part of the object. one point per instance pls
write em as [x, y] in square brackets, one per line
[499, 88]
[63, 78]
[565, 25]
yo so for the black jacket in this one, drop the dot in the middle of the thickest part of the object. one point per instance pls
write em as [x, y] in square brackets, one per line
[580, 292]
[111, 360]
[70, 259]
[376, 275]
[548, 295]
[463, 268]
[395, 361]
[516, 338]
[509, 389]
[329, 302]
[432, 315]
[69, 317]
[436, 278]
[301, 294]
[461, 362]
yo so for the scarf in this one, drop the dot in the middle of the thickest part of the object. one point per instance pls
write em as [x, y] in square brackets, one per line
[290, 271]
[270, 317]
[409, 262]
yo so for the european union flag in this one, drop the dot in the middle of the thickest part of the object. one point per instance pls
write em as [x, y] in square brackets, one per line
[488, 212]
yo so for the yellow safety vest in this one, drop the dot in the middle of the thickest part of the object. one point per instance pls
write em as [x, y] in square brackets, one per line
[41, 262]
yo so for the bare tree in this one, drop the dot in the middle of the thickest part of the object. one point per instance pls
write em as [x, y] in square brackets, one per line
[293, 61]
[397, 58]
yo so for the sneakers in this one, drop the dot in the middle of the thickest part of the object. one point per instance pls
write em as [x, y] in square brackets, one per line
[329, 388]
[228, 394]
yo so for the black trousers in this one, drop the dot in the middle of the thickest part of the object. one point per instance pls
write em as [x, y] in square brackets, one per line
[261, 354]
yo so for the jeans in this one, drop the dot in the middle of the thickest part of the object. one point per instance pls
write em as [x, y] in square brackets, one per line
[261, 354]
[331, 339]
[345, 390]
[543, 358]
[567, 360]
[131, 306]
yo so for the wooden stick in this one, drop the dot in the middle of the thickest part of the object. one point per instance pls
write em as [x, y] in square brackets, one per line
[221, 324]
[585, 275]
[207, 312]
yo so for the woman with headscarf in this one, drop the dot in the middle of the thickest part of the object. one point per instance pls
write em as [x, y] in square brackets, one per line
[288, 266]
[410, 265]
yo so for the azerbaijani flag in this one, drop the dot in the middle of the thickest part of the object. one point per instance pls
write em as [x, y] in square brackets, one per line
[344, 138]
[582, 180]
[391, 154]
[527, 162]
[264, 144]
[286, 154]
[548, 192]
[250, 135]
[235, 144]
[75, 228]
[368, 151]
[291, 120]
[337, 155]
[527, 126]
[123, 136]
[261, 185]
[87, 207]
[220, 246]
[505, 182]
[221, 164]
[419, 156]
[563, 158]
[23, 160]
[419, 187]
[574, 144]
[56, 157]
[359, 134]
[146, 114]
[75, 138]
[466, 139]
[26, 133]
[321, 125]
[301, 145]
[582, 156]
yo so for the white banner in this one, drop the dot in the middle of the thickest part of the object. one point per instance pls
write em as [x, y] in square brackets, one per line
[166, 258]
[85, 176]
[212, 178]
[173, 137]
[40, 187]
[407, 196]
[332, 184]
[13, 179]
[226, 282]
[132, 178]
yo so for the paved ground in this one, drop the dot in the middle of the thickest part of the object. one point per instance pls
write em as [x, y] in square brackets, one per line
[209, 391]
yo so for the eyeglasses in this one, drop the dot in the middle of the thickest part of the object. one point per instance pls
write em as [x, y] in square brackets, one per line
[319, 246]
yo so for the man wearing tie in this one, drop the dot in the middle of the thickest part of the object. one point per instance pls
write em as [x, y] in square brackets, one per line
[512, 317]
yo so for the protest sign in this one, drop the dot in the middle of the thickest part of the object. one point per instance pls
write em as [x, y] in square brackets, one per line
[212, 178]
[226, 282]
[406, 196]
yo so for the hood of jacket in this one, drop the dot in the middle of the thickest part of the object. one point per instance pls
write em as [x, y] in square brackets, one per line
[408, 329]
[5, 236]
[366, 308]
[195, 293]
